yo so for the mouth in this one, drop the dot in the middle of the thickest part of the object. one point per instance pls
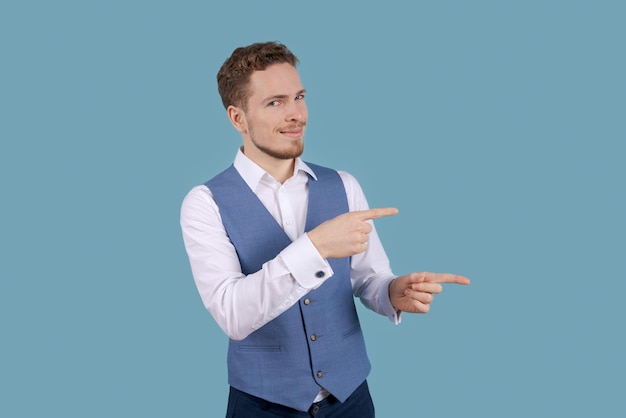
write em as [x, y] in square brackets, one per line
[294, 132]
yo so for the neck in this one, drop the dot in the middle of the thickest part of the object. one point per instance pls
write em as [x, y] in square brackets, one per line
[279, 169]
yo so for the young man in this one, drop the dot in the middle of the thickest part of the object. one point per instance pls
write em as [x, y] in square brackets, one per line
[278, 250]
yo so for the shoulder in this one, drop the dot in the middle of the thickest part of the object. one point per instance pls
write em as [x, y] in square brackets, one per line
[348, 179]
[198, 203]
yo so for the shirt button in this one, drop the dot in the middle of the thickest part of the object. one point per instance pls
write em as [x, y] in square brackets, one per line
[313, 337]
[307, 301]
[320, 373]
[320, 274]
[315, 409]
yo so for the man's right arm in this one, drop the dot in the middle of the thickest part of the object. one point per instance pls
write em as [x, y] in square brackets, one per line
[241, 304]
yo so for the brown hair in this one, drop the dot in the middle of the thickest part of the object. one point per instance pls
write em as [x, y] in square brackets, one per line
[234, 75]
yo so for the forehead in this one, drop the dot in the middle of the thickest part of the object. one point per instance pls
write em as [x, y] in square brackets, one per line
[275, 80]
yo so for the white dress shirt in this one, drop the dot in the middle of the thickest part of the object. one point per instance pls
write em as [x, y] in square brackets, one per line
[242, 304]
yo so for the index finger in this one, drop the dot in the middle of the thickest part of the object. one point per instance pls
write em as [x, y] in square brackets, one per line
[375, 213]
[447, 278]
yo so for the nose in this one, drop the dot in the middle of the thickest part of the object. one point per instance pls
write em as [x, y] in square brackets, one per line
[297, 111]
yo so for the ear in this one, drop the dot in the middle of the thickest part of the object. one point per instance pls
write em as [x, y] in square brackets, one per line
[237, 117]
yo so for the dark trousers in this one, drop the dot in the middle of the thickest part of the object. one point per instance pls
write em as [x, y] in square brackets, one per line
[358, 405]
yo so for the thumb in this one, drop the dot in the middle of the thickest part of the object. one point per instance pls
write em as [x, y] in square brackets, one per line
[414, 278]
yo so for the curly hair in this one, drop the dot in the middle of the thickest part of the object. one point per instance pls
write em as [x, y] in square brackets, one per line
[234, 76]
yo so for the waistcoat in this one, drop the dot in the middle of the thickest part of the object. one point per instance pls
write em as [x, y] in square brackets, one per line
[317, 342]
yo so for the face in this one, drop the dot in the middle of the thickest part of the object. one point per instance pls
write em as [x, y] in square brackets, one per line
[273, 125]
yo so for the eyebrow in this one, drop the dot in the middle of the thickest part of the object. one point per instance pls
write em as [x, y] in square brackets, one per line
[283, 96]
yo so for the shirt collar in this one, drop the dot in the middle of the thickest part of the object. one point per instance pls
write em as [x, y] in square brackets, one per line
[252, 173]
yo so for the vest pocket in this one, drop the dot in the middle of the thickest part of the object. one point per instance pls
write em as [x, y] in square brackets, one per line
[259, 348]
[356, 328]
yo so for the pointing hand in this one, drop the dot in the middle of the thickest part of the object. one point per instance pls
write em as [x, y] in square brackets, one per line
[346, 234]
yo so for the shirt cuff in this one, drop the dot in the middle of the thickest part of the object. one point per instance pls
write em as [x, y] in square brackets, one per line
[308, 268]
[384, 302]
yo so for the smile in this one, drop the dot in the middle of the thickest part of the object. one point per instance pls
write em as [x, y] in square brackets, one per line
[293, 132]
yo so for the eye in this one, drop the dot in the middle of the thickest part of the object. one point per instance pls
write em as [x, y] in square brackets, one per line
[273, 103]
[300, 97]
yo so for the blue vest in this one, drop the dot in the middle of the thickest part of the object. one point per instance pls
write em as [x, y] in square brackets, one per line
[318, 341]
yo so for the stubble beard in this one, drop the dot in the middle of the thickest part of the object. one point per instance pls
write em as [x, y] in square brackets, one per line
[294, 151]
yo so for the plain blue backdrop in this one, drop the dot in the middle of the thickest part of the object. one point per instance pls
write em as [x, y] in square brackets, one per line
[496, 127]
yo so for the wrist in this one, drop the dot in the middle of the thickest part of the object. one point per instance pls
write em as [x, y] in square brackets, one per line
[320, 249]
[390, 292]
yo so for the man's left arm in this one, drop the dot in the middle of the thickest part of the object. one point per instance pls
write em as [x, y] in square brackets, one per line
[370, 270]
[373, 280]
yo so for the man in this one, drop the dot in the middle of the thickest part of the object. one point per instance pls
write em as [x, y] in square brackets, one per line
[278, 250]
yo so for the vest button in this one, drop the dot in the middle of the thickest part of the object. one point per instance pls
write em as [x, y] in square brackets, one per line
[320, 373]
[313, 337]
[320, 274]
[307, 301]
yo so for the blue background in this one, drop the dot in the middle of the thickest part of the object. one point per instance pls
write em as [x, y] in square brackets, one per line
[497, 128]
